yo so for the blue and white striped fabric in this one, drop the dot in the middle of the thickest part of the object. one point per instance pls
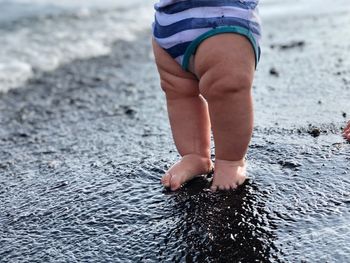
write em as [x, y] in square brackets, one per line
[181, 25]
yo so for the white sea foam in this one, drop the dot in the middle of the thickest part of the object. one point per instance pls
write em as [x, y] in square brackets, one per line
[44, 34]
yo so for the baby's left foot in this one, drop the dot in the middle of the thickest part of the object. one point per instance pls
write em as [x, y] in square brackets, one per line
[228, 175]
[189, 167]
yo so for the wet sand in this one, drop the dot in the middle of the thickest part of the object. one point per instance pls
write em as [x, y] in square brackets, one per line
[82, 150]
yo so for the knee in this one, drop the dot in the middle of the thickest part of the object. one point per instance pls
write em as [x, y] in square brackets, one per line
[216, 85]
[175, 89]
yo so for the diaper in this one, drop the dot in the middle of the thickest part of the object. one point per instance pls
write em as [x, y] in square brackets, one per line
[181, 26]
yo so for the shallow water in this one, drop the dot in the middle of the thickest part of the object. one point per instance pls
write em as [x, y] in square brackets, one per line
[82, 149]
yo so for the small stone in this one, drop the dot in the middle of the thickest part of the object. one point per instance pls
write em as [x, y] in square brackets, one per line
[60, 185]
[23, 135]
[315, 132]
[97, 79]
[130, 111]
[293, 44]
[291, 164]
[53, 164]
[274, 72]
[96, 164]
[3, 165]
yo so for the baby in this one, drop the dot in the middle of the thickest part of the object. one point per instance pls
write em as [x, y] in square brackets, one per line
[206, 52]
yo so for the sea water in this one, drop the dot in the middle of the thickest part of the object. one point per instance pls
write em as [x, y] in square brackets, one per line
[40, 35]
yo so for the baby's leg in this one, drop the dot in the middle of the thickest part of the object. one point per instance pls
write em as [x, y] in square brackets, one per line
[347, 132]
[189, 120]
[225, 65]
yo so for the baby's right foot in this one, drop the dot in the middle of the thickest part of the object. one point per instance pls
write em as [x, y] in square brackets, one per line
[228, 175]
[189, 167]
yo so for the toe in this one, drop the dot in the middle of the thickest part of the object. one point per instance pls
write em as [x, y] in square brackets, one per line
[233, 186]
[227, 187]
[221, 187]
[175, 185]
[241, 180]
[166, 180]
[213, 188]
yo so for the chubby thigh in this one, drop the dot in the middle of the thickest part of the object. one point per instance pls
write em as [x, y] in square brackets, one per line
[226, 58]
[174, 80]
[230, 56]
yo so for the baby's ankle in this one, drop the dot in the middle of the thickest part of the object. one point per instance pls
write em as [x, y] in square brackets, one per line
[197, 158]
[233, 163]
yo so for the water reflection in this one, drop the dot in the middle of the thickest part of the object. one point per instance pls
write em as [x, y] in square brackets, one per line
[221, 227]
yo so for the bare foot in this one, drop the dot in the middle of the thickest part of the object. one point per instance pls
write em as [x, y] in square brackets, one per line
[228, 175]
[189, 167]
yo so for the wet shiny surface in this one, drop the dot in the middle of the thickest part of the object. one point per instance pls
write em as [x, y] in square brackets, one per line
[82, 150]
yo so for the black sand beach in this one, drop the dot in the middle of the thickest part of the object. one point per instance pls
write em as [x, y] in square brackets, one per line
[82, 150]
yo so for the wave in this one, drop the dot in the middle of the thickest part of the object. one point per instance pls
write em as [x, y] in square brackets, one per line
[40, 35]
